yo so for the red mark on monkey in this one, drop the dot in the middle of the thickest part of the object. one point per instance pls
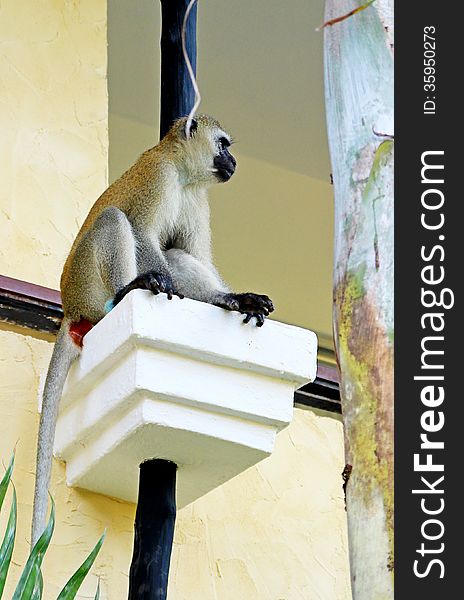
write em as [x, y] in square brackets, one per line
[78, 329]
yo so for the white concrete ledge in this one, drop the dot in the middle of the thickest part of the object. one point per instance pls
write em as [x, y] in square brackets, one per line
[180, 380]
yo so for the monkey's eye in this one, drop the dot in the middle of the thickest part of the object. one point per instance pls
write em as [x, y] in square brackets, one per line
[223, 143]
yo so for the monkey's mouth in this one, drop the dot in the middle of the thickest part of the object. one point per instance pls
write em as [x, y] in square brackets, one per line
[224, 174]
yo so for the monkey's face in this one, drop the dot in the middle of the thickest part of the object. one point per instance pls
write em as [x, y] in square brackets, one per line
[207, 151]
[224, 162]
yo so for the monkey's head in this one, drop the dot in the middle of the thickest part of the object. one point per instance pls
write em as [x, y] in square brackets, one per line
[203, 155]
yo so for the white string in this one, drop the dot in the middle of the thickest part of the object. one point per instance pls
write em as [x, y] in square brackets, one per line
[188, 124]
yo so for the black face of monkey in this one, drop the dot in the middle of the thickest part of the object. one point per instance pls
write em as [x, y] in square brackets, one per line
[224, 162]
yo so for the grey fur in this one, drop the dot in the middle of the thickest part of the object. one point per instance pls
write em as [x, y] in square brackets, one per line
[64, 353]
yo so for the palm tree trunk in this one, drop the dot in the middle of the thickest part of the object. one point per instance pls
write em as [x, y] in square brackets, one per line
[359, 101]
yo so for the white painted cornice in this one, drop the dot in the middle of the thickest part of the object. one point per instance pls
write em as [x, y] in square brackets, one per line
[179, 380]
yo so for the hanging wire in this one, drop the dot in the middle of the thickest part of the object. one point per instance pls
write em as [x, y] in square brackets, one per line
[188, 124]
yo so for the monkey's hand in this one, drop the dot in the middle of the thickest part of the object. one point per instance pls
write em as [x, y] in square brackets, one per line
[249, 304]
[152, 281]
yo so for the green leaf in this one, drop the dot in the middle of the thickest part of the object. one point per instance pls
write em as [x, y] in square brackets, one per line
[97, 594]
[6, 549]
[71, 588]
[6, 480]
[38, 587]
[28, 584]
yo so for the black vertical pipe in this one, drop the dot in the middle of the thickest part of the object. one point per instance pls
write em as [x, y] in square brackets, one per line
[154, 531]
[156, 508]
[177, 94]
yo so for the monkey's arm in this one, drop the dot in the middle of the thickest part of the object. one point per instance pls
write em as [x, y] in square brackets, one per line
[149, 254]
[198, 281]
[153, 272]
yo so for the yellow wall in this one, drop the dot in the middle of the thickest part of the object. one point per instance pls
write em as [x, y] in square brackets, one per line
[54, 129]
[276, 532]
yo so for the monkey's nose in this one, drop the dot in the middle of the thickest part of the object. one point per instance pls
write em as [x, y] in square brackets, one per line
[225, 167]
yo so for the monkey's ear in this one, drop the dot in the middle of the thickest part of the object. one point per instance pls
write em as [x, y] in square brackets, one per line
[193, 127]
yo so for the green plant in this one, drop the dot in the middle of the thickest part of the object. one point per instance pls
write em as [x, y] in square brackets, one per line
[30, 584]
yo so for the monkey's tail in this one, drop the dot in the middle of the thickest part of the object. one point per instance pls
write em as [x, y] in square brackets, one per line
[64, 353]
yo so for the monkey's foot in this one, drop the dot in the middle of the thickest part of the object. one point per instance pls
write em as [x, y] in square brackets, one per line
[152, 281]
[249, 304]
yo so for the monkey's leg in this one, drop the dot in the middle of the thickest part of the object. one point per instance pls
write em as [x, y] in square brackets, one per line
[102, 264]
[106, 266]
[199, 282]
[116, 249]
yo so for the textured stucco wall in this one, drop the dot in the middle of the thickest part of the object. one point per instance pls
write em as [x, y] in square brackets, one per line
[276, 532]
[54, 129]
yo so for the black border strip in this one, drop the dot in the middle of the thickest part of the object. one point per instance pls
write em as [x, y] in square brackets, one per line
[29, 305]
[429, 411]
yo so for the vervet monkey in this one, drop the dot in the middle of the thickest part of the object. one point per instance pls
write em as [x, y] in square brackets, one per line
[150, 229]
